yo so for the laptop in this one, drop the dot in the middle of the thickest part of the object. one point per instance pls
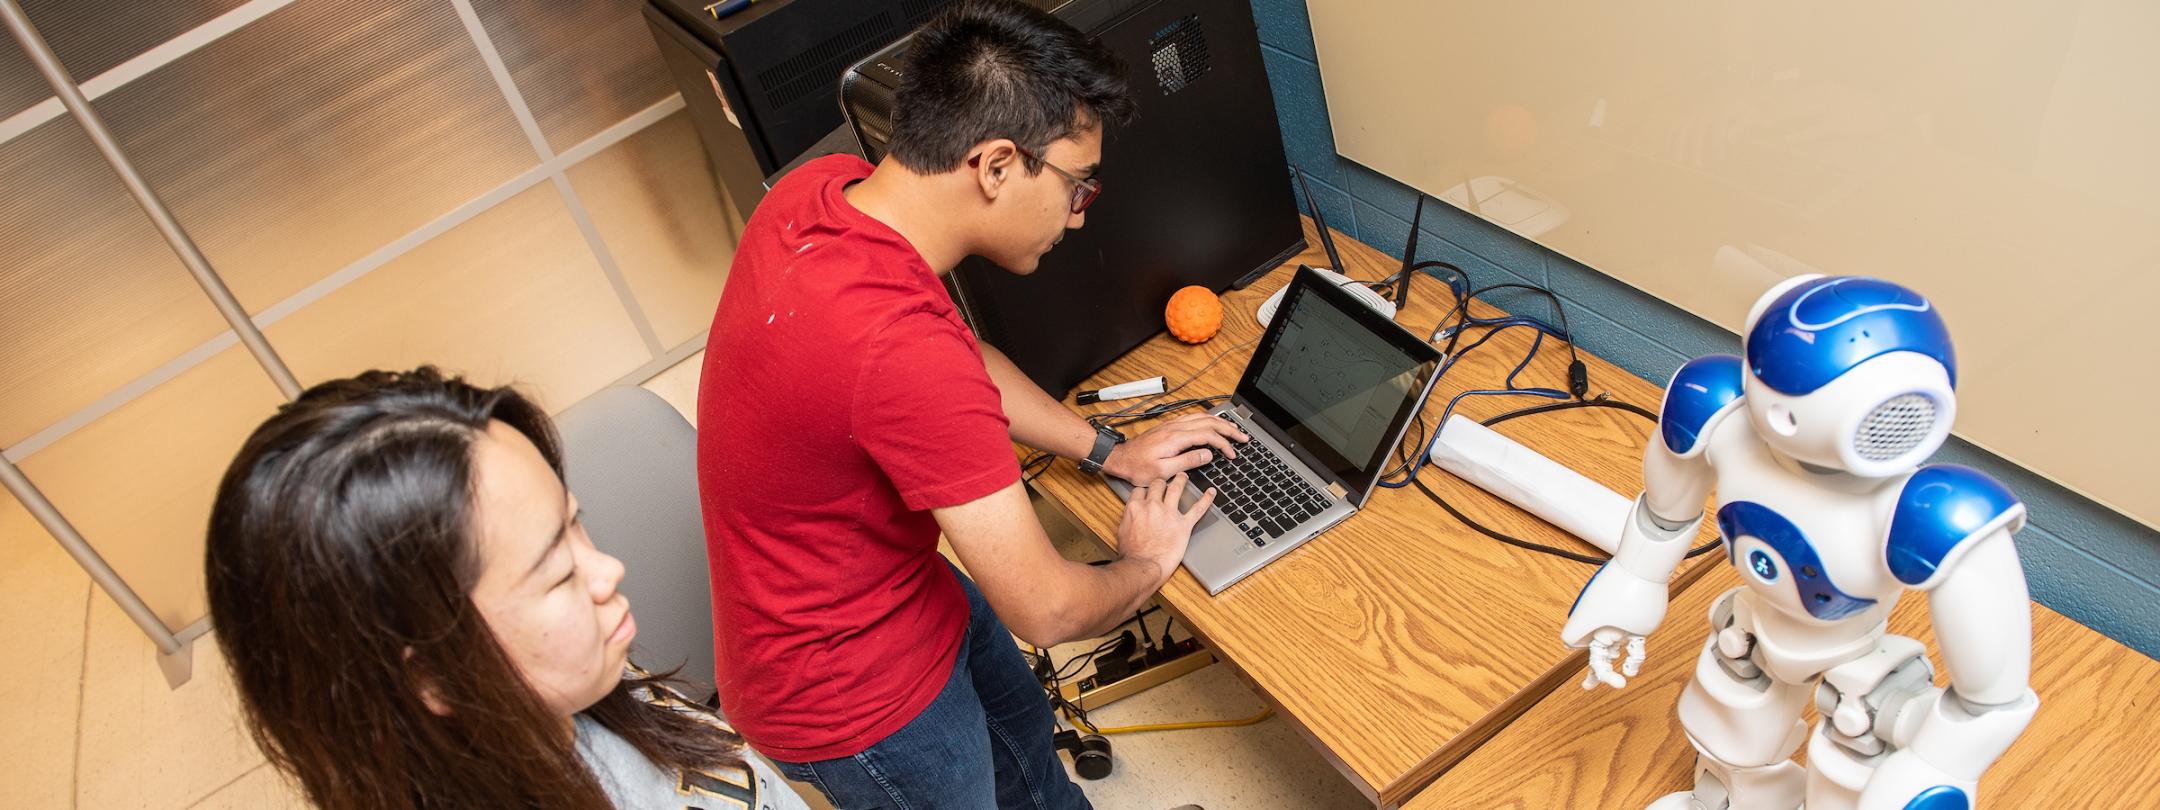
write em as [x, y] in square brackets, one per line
[1327, 396]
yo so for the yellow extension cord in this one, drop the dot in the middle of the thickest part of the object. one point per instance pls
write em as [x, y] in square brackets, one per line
[1263, 715]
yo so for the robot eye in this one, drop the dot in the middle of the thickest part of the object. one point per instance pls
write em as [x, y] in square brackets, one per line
[1895, 427]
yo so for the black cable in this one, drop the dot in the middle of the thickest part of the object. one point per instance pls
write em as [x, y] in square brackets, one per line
[1126, 417]
[1578, 373]
[1202, 370]
[1522, 544]
[1034, 465]
[1599, 401]
[1080, 662]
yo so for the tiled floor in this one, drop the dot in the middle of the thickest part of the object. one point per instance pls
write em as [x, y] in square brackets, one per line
[86, 719]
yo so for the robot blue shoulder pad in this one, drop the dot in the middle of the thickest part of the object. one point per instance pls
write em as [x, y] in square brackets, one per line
[1941, 508]
[1698, 392]
[1817, 331]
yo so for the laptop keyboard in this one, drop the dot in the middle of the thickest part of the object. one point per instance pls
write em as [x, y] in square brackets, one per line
[1259, 492]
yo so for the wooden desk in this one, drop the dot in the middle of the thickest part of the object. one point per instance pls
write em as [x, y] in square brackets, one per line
[1399, 639]
[2092, 744]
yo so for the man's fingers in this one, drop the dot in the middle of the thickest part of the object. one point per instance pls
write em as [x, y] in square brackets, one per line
[1222, 444]
[1173, 488]
[1227, 428]
[1199, 508]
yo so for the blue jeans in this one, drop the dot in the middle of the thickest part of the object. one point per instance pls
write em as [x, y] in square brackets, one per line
[984, 742]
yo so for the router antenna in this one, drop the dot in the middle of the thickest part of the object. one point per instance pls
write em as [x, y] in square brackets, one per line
[1409, 256]
[1327, 240]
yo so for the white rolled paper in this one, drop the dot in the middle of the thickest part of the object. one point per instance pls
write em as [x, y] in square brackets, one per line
[1526, 478]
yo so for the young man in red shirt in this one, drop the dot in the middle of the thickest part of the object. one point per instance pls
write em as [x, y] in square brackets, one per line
[848, 416]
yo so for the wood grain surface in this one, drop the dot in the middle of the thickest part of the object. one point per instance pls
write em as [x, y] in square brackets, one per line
[1399, 639]
[2093, 743]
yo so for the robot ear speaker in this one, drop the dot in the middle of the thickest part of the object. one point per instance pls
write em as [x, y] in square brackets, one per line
[1895, 427]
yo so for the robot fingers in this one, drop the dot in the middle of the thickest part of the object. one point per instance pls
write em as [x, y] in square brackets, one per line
[1591, 679]
[1635, 652]
[1605, 649]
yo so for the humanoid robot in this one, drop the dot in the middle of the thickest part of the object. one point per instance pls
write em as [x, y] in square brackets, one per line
[1814, 444]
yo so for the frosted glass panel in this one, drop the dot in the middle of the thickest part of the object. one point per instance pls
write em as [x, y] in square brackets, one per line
[1996, 156]
[511, 296]
[20, 84]
[138, 482]
[91, 37]
[580, 66]
[315, 135]
[655, 204]
[90, 296]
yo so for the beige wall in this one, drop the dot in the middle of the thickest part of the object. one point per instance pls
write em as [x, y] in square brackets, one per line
[1997, 156]
[364, 183]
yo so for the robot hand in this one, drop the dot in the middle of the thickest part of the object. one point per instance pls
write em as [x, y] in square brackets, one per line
[1605, 644]
[1625, 600]
[1616, 610]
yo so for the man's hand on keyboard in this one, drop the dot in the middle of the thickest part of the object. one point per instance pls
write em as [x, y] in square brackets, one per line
[1155, 529]
[1174, 447]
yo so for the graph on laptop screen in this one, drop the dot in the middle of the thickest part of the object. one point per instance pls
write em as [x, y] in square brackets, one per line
[1336, 378]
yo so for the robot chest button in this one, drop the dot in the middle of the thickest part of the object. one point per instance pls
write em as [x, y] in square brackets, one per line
[1765, 568]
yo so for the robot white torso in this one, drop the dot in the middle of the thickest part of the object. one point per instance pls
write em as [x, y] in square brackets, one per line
[1813, 444]
[1817, 548]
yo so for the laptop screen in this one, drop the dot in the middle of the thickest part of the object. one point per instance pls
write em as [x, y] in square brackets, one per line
[1339, 379]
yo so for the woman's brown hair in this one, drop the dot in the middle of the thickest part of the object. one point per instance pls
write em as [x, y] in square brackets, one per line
[339, 566]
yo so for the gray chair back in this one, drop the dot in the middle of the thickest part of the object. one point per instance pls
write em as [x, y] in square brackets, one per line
[632, 460]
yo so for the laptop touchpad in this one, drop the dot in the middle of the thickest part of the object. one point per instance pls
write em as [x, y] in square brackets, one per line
[1185, 501]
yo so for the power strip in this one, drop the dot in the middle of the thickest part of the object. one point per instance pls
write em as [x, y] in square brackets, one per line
[1176, 660]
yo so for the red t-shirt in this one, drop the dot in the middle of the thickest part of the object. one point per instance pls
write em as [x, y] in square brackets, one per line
[842, 399]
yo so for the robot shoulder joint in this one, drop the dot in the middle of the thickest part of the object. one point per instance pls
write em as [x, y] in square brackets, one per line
[1943, 510]
[1701, 393]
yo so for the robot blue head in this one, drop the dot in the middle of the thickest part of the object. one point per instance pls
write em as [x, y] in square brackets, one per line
[1850, 373]
[1823, 327]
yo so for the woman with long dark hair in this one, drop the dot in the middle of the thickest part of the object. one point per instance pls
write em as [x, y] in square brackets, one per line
[415, 617]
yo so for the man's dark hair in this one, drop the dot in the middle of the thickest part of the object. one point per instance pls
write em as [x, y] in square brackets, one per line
[987, 69]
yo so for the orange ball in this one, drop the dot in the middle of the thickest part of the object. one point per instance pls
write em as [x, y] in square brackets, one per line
[1194, 315]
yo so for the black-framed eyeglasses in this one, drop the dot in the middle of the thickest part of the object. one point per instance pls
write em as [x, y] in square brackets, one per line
[1084, 191]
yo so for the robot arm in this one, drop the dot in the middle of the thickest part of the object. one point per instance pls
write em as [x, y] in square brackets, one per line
[1983, 624]
[1625, 600]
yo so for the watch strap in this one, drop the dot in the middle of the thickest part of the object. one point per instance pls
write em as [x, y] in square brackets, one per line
[1105, 439]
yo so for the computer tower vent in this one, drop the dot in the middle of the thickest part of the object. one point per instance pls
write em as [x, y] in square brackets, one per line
[1180, 54]
[918, 12]
[817, 69]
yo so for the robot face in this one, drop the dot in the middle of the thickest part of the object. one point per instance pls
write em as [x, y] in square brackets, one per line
[1850, 373]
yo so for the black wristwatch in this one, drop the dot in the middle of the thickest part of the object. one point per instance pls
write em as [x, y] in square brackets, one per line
[1105, 438]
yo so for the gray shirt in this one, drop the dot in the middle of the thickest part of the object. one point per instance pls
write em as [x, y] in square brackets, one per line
[635, 783]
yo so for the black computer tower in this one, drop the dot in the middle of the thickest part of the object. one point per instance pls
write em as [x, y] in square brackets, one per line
[1196, 189]
[762, 84]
